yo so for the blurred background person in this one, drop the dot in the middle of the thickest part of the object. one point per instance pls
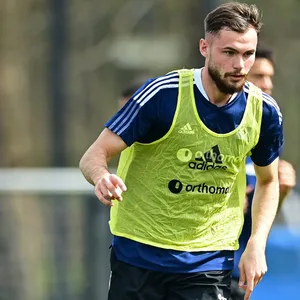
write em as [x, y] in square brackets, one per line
[261, 74]
[131, 88]
[263, 70]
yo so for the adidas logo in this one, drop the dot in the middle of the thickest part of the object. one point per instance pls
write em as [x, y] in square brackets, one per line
[186, 129]
[209, 160]
[213, 155]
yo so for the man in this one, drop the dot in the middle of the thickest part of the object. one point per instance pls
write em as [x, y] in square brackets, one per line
[261, 75]
[177, 225]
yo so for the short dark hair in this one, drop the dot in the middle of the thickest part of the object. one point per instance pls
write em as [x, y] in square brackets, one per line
[235, 16]
[131, 88]
[264, 52]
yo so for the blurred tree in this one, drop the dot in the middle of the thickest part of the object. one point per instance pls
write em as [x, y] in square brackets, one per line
[108, 45]
[24, 101]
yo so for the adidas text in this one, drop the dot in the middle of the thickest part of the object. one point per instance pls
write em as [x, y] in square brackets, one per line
[204, 166]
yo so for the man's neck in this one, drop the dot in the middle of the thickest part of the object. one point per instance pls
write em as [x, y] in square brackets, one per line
[215, 96]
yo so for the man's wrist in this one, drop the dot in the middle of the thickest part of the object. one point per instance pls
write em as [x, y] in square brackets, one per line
[98, 174]
[258, 242]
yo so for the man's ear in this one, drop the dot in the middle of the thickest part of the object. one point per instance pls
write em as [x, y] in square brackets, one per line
[203, 47]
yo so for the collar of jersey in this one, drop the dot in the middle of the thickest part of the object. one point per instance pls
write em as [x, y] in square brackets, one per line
[198, 81]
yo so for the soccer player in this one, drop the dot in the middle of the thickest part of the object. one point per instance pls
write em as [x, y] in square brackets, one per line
[177, 199]
[261, 75]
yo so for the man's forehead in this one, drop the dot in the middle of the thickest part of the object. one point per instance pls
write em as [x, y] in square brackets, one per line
[239, 41]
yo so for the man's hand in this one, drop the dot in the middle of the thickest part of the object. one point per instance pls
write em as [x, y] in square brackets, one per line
[252, 267]
[287, 179]
[109, 187]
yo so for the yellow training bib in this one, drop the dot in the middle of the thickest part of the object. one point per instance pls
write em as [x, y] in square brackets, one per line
[186, 190]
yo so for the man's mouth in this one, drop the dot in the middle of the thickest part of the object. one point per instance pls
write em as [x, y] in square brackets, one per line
[236, 76]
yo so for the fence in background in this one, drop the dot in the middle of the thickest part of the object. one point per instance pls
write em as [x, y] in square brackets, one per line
[54, 240]
[54, 237]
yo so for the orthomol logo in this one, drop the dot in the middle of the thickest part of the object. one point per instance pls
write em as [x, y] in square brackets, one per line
[175, 186]
[204, 161]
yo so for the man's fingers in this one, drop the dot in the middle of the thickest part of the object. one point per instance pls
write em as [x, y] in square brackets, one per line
[249, 288]
[117, 181]
[259, 279]
[103, 194]
[102, 198]
[260, 276]
[113, 192]
[248, 293]
[104, 190]
[109, 188]
[256, 280]
[242, 280]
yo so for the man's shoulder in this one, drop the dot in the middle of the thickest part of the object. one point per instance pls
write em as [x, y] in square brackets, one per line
[271, 109]
[156, 86]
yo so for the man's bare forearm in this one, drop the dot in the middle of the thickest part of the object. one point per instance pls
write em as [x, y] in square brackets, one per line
[93, 165]
[264, 208]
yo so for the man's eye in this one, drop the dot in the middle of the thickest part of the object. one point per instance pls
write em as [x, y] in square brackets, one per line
[248, 54]
[230, 53]
[258, 76]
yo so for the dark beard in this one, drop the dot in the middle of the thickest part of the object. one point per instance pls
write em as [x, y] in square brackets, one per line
[224, 87]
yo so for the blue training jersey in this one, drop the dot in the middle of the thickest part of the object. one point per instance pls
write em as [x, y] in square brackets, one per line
[147, 117]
